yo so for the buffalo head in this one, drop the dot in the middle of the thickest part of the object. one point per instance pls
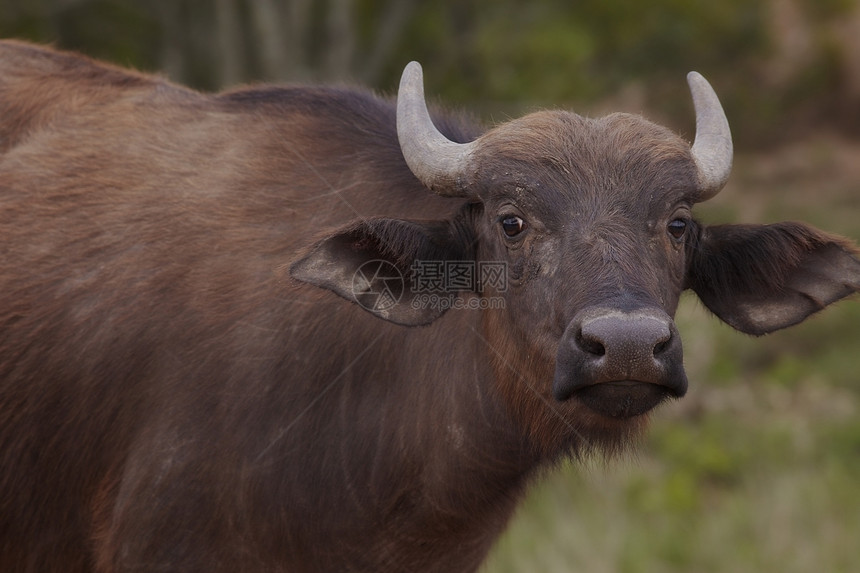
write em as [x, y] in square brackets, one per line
[592, 220]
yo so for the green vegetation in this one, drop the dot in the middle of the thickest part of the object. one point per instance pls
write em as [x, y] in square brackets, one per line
[781, 66]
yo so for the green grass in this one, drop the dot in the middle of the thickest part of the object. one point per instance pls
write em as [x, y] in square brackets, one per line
[757, 469]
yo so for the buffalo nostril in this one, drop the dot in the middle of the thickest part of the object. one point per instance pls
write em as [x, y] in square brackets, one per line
[662, 345]
[590, 344]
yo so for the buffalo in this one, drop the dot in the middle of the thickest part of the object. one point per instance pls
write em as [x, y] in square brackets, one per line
[307, 329]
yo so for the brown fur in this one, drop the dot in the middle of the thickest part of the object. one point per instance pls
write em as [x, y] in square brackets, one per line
[155, 412]
[172, 400]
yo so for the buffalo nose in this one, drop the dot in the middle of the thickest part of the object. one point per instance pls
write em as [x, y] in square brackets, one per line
[629, 340]
[620, 363]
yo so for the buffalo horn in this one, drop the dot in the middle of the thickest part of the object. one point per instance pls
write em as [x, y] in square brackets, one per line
[435, 160]
[712, 148]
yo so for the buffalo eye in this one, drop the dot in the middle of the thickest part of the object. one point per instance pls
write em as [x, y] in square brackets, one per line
[513, 225]
[677, 228]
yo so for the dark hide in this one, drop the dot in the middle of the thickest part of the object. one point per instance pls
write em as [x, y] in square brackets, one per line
[172, 399]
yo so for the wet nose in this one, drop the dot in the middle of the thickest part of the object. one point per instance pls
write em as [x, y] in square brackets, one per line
[624, 341]
[616, 360]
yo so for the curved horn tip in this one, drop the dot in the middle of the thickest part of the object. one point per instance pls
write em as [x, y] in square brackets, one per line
[712, 148]
[412, 73]
[694, 76]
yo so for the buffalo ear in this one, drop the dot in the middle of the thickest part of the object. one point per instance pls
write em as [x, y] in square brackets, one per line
[760, 278]
[370, 263]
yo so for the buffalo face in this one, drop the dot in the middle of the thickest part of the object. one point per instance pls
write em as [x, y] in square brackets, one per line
[592, 222]
[593, 218]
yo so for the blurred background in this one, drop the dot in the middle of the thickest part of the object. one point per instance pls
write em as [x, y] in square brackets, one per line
[758, 468]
